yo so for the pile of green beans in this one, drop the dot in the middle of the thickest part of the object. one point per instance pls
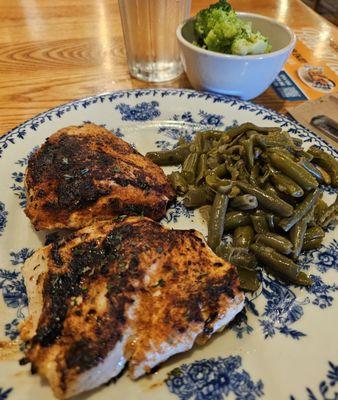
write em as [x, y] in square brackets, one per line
[262, 187]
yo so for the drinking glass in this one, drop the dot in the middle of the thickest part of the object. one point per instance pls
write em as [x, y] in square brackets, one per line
[149, 28]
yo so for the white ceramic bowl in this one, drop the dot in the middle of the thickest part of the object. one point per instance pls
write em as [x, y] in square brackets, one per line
[242, 76]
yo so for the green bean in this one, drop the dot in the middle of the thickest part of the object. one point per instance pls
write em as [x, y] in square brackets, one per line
[247, 261]
[214, 148]
[248, 279]
[234, 192]
[326, 176]
[200, 143]
[243, 236]
[216, 183]
[237, 256]
[297, 233]
[294, 201]
[262, 180]
[169, 157]
[264, 129]
[244, 202]
[182, 141]
[259, 223]
[234, 172]
[297, 142]
[178, 182]
[293, 170]
[303, 208]
[250, 132]
[312, 244]
[311, 169]
[233, 219]
[264, 170]
[300, 153]
[201, 168]
[286, 185]
[272, 220]
[189, 167]
[224, 251]
[329, 215]
[319, 210]
[235, 157]
[232, 133]
[283, 137]
[207, 146]
[266, 142]
[216, 135]
[303, 279]
[254, 174]
[234, 149]
[313, 238]
[222, 149]
[212, 162]
[277, 242]
[217, 217]
[280, 265]
[205, 212]
[192, 148]
[197, 197]
[243, 173]
[327, 162]
[314, 232]
[248, 126]
[249, 152]
[219, 171]
[271, 190]
[283, 151]
[272, 203]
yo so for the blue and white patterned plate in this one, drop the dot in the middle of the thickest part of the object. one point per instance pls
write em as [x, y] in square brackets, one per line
[285, 345]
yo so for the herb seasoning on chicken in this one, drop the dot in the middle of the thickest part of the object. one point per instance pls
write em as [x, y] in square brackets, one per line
[120, 291]
[82, 173]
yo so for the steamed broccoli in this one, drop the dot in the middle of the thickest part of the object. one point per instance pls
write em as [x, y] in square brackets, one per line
[255, 44]
[219, 29]
[223, 32]
[206, 18]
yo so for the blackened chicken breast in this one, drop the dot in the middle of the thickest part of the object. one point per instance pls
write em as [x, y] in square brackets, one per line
[122, 291]
[84, 173]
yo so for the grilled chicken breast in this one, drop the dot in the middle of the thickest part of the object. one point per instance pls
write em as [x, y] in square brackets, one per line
[127, 290]
[83, 173]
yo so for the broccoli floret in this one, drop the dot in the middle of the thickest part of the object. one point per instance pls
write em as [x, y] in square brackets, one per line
[205, 19]
[222, 32]
[219, 29]
[200, 24]
[261, 45]
[254, 44]
[221, 5]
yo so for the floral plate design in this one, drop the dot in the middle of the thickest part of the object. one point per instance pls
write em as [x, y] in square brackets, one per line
[284, 346]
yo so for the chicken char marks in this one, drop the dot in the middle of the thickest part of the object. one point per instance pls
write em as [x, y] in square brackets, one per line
[123, 291]
[83, 173]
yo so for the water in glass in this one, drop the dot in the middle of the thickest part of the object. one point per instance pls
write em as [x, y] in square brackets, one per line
[149, 28]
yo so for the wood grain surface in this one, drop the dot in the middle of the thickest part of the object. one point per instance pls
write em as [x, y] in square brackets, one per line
[54, 51]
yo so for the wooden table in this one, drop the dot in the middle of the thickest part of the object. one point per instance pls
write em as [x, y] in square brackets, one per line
[53, 51]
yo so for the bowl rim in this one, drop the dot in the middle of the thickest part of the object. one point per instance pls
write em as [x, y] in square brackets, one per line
[212, 53]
